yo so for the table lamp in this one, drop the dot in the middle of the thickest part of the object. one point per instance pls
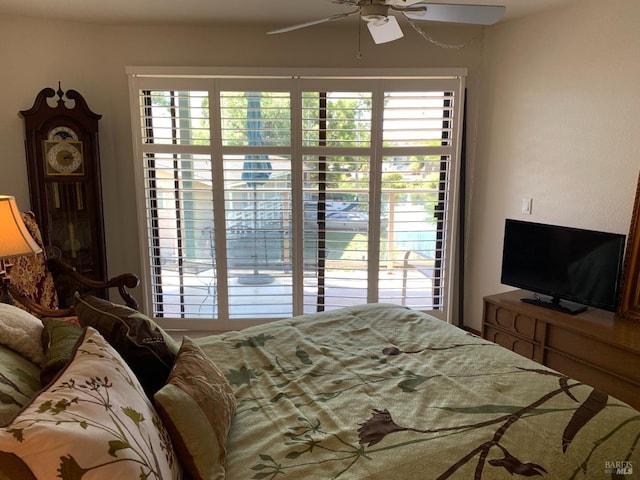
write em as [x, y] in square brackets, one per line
[15, 241]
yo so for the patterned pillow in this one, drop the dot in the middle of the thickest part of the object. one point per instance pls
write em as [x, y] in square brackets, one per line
[149, 350]
[19, 383]
[197, 406]
[93, 418]
[21, 331]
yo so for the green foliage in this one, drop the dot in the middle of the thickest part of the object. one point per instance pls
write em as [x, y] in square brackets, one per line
[346, 117]
[394, 180]
[275, 114]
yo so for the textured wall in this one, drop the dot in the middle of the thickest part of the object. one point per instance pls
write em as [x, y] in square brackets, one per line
[92, 59]
[558, 122]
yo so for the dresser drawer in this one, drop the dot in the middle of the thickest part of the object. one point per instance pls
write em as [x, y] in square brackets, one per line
[515, 344]
[510, 321]
[622, 389]
[595, 352]
[595, 347]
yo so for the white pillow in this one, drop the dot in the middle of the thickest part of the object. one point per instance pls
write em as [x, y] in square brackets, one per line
[21, 332]
[94, 419]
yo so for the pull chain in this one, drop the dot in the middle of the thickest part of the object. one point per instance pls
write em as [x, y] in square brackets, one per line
[359, 54]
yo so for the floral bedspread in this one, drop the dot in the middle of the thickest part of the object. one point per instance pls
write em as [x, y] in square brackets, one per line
[383, 392]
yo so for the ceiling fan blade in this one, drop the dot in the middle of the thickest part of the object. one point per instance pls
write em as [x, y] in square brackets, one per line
[314, 22]
[444, 12]
[383, 32]
[353, 3]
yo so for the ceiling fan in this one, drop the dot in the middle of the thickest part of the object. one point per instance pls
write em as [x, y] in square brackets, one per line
[385, 28]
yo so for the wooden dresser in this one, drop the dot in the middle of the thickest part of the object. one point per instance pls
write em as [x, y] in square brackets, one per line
[593, 347]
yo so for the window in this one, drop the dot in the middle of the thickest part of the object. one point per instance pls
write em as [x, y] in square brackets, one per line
[272, 195]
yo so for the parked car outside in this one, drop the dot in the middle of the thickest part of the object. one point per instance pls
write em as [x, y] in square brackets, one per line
[347, 221]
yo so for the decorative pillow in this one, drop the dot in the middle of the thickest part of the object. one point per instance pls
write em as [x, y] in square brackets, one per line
[21, 331]
[149, 350]
[93, 419]
[197, 406]
[19, 383]
[59, 337]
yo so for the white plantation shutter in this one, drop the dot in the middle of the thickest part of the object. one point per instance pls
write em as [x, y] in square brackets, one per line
[419, 202]
[271, 196]
[336, 197]
[257, 192]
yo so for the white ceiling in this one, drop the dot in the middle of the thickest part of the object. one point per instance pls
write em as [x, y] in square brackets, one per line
[272, 12]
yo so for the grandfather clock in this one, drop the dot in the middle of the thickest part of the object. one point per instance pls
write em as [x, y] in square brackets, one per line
[63, 165]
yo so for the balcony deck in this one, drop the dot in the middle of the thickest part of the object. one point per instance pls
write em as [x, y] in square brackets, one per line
[271, 295]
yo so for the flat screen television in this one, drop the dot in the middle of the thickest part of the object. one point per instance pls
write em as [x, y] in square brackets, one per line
[573, 268]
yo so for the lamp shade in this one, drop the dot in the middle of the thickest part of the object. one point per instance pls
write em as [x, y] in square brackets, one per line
[15, 239]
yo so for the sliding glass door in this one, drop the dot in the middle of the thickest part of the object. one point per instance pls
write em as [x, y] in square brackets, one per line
[269, 197]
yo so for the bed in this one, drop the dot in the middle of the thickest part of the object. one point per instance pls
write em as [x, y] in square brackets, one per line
[381, 391]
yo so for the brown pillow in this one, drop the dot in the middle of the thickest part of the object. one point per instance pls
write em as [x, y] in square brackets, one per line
[147, 349]
[196, 406]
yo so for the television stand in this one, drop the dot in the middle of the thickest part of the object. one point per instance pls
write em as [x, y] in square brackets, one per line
[554, 303]
[594, 347]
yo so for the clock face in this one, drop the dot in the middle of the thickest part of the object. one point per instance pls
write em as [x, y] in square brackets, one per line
[64, 158]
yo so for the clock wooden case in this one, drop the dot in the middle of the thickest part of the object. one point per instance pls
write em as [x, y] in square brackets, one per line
[63, 165]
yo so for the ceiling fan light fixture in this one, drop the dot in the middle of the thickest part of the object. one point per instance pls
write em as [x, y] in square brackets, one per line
[377, 20]
[376, 14]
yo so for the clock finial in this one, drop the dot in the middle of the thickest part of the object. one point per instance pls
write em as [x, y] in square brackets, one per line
[60, 93]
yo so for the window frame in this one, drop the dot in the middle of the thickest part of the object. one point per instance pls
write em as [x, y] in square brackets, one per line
[187, 78]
